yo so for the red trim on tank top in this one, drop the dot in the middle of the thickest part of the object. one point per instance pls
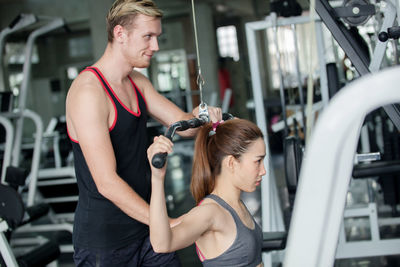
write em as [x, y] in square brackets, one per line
[115, 107]
[105, 89]
[137, 89]
[73, 140]
[199, 254]
[122, 104]
[198, 251]
[109, 96]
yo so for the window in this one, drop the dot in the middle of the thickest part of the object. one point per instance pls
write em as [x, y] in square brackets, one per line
[227, 42]
[80, 46]
[16, 53]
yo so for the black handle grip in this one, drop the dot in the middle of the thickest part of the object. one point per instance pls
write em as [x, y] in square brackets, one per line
[159, 159]
[392, 32]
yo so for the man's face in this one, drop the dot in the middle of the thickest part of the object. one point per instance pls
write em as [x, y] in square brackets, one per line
[142, 41]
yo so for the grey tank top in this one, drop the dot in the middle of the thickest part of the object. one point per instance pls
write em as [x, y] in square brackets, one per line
[246, 248]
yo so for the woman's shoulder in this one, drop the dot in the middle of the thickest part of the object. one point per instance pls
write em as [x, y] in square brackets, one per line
[214, 211]
[206, 210]
[207, 205]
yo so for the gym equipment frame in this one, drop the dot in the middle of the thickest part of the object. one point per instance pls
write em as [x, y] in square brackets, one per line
[51, 25]
[354, 51]
[321, 194]
[20, 22]
[38, 26]
[272, 218]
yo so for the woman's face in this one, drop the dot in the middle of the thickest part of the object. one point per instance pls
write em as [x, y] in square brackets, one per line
[250, 168]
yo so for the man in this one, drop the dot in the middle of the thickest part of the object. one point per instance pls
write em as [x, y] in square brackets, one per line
[106, 109]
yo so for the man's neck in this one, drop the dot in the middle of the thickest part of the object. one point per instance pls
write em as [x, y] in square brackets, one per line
[113, 66]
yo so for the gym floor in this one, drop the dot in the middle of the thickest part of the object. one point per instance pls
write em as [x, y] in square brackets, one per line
[179, 200]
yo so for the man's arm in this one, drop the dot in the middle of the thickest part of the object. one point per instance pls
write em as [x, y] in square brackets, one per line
[88, 115]
[166, 112]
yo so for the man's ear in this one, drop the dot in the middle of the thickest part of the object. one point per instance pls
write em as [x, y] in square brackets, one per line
[119, 33]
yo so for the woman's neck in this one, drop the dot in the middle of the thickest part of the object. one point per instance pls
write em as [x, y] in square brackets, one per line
[229, 193]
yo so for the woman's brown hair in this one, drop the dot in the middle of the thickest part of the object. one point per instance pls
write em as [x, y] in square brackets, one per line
[231, 137]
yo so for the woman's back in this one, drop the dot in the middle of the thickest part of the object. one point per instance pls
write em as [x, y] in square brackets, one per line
[244, 250]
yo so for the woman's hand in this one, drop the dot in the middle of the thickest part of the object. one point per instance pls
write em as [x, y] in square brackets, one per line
[161, 144]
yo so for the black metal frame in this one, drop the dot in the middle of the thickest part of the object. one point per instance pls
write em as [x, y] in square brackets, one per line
[352, 49]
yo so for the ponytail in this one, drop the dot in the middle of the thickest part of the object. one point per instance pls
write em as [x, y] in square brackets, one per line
[202, 181]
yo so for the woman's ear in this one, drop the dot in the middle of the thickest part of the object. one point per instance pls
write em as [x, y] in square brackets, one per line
[230, 162]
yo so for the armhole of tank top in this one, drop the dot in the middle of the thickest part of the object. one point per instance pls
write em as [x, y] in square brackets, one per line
[97, 73]
[252, 217]
[137, 90]
[199, 253]
[73, 140]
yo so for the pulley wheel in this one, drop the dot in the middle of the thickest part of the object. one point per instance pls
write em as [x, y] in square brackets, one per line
[354, 5]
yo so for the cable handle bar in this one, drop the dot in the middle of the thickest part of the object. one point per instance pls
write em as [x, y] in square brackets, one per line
[159, 159]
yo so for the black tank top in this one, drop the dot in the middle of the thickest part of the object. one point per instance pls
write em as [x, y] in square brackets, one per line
[98, 222]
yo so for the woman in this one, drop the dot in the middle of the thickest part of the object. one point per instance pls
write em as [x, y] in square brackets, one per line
[228, 159]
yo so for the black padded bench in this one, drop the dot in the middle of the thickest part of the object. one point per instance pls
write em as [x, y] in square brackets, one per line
[274, 241]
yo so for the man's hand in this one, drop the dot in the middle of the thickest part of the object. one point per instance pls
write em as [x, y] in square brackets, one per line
[214, 113]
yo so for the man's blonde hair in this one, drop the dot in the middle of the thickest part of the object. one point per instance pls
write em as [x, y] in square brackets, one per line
[123, 12]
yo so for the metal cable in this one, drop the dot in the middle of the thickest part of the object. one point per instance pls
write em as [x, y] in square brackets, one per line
[200, 80]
